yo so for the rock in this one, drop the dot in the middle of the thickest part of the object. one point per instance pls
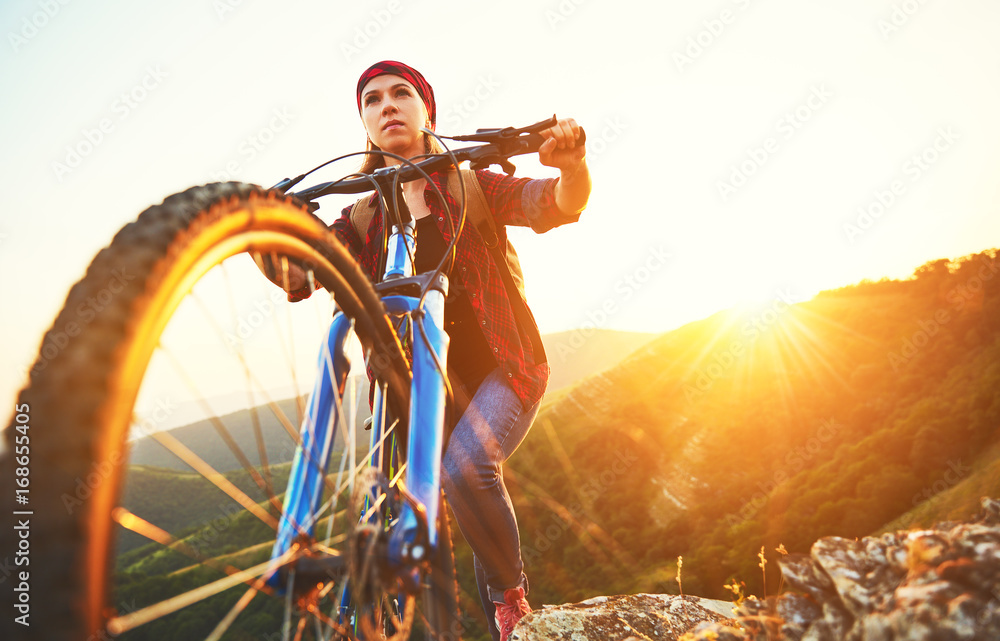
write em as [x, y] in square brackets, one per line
[803, 573]
[940, 584]
[640, 616]
[796, 613]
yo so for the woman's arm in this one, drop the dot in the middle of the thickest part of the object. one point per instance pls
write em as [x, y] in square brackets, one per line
[560, 151]
[547, 202]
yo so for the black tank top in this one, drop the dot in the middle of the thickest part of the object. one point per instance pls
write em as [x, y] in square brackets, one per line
[469, 355]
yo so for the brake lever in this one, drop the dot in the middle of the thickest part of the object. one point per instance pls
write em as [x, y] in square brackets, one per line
[506, 133]
[505, 164]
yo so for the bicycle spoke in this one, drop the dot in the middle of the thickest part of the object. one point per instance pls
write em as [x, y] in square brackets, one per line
[235, 611]
[251, 405]
[286, 626]
[144, 528]
[182, 452]
[276, 410]
[120, 625]
[223, 432]
[290, 349]
[300, 629]
[399, 474]
[261, 448]
[280, 415]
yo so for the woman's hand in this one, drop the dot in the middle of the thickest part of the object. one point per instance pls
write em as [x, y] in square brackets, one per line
[560, 150]
[271, 266]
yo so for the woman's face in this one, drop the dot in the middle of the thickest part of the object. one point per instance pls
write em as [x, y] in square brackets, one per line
[393, 114]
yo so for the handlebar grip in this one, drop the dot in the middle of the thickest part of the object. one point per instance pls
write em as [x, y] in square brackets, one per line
[535, 140]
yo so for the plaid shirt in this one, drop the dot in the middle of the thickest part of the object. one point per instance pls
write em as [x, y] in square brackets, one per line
[513, 201]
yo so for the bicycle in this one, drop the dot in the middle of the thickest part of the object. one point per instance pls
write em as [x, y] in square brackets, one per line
[387, 540]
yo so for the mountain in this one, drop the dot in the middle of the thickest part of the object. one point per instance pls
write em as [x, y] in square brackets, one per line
[179, 501]
[764, 427]
[578, 353]
[204, 437]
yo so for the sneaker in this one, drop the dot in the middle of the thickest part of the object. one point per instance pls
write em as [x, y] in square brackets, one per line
[512, 610]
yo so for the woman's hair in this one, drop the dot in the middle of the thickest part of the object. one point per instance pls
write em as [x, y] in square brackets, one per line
[374, 161]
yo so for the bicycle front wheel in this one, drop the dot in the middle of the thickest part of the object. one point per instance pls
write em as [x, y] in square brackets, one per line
[171, 318]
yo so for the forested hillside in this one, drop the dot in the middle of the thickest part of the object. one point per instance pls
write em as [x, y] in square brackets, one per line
[764, 427]
[577, 353]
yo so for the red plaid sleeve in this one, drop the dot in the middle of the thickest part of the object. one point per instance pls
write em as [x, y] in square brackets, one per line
[524, 202]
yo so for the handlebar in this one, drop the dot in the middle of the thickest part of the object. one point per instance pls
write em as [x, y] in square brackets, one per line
[500, 145]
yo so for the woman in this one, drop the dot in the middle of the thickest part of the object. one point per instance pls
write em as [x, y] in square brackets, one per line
[493, 360]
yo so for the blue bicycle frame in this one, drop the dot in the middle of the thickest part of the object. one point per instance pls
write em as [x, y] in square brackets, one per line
[304, 495]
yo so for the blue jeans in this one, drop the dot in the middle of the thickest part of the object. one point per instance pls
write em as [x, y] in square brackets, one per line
[489, 431]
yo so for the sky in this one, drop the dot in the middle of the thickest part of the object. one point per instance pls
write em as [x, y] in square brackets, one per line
[741, 150]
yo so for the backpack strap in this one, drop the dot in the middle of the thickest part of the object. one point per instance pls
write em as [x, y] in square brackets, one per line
[361, 215]
[477, 210]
